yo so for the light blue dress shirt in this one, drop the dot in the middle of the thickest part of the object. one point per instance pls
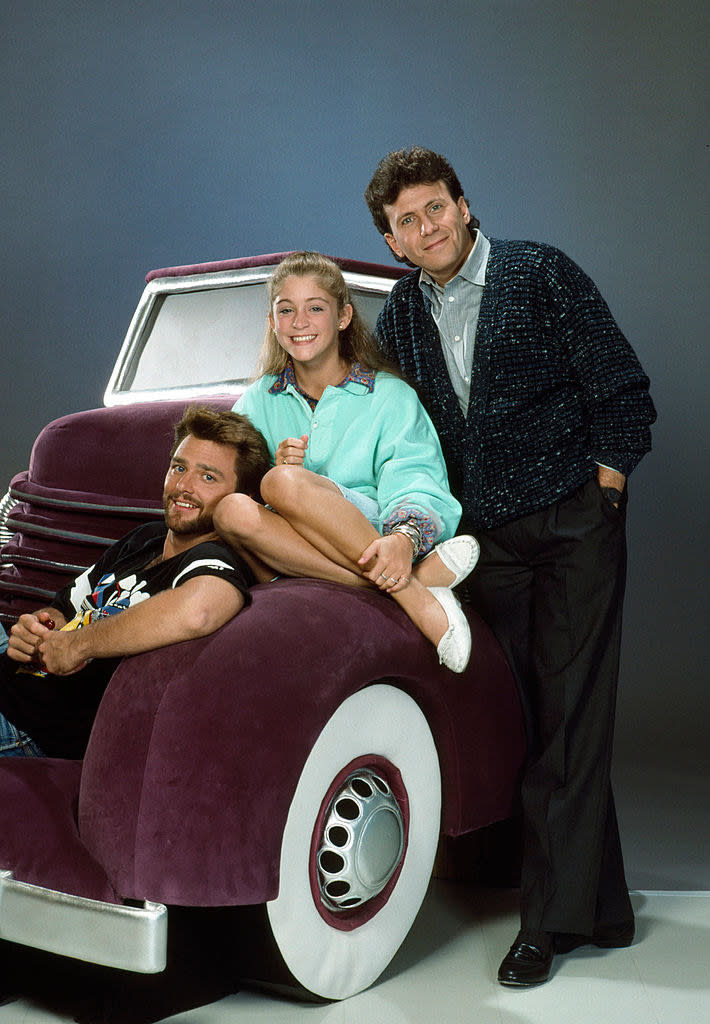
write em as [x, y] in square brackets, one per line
[455, 308]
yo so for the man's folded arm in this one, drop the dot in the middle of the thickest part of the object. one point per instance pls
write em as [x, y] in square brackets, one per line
[196, 608]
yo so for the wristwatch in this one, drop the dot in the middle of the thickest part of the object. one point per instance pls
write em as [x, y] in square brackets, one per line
[611, 494]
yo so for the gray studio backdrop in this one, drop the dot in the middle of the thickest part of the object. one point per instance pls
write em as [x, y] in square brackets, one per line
[153, 134]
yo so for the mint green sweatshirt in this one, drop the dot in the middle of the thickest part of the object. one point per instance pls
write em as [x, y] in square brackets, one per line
[380, 443]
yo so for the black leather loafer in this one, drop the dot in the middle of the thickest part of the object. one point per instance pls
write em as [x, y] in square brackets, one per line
[525, 964]
[610, 937]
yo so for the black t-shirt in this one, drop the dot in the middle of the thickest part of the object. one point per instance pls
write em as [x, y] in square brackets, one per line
[58, 711]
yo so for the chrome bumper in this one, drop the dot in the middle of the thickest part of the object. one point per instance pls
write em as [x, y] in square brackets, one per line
[130, 938]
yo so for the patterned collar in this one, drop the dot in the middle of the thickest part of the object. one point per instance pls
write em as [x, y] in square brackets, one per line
[357, 374]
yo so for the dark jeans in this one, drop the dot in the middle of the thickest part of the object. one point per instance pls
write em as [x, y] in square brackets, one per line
[551, 586]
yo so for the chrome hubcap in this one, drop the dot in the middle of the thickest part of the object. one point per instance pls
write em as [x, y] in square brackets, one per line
[362, 841]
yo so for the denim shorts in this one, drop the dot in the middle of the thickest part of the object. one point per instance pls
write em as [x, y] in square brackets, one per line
[368, 506]
[16, 743]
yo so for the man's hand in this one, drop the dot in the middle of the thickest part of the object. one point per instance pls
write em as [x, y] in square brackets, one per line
[611, 478]
[387, 562]
[29, 631]
[291, 451]
[60, 652]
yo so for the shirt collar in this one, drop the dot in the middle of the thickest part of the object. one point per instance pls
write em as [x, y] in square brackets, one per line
[473, 270]
[357, 374]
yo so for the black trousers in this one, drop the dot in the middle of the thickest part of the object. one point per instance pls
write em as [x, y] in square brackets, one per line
[551, 586]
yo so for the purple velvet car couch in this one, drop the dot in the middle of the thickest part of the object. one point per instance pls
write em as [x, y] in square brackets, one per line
[197, 749]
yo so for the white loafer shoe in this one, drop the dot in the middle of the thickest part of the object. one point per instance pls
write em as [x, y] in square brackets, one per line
[454, 648]
[459, 554]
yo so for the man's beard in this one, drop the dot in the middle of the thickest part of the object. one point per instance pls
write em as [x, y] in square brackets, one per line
[201, 524]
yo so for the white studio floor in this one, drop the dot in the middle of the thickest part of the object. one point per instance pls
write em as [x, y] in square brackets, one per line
[445, 972]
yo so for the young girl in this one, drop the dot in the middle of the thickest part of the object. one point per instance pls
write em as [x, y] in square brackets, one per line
[359, 490]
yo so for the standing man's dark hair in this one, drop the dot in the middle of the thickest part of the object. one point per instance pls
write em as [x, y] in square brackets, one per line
[542, 409]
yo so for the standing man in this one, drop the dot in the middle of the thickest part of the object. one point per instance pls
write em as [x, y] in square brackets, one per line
[543, 411]
[169, 581]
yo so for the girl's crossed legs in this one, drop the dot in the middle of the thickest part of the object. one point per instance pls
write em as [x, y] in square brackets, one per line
[314, 531]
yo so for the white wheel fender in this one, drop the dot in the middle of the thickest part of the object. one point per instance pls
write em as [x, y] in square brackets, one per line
[334, 962]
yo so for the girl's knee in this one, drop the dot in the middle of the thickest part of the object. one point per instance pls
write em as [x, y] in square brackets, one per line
[284, 486]
[236, 515]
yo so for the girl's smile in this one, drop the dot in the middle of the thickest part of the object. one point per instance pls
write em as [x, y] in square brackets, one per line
[306, 321]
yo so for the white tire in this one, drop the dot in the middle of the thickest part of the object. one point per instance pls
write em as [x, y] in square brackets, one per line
[331, 960]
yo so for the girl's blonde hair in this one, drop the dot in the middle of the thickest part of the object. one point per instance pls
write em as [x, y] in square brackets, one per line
[357, 343]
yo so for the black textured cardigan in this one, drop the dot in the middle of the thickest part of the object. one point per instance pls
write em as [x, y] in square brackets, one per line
[555, 389]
